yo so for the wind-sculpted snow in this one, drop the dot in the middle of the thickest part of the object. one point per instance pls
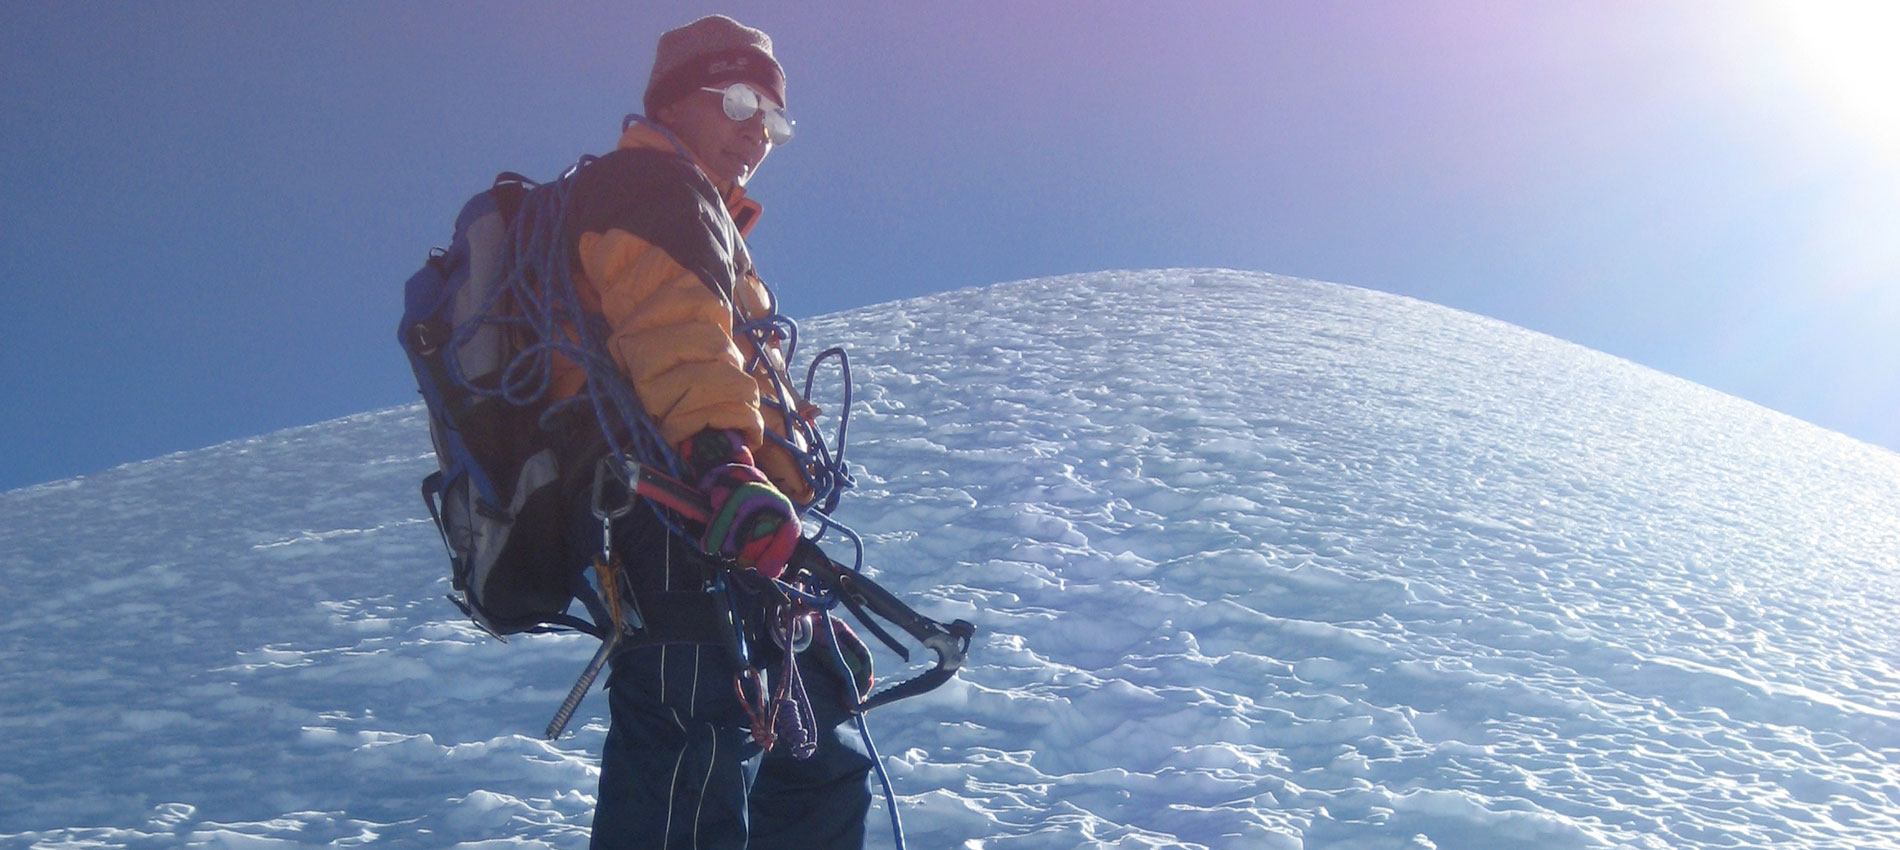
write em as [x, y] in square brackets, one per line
[1257, 562]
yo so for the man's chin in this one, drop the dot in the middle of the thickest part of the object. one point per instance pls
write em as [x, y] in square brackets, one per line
[738, 168]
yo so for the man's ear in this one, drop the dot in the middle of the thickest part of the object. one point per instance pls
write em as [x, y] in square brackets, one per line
[666, 115]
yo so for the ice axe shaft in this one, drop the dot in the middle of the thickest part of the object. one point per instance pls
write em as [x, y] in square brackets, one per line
[582, 685]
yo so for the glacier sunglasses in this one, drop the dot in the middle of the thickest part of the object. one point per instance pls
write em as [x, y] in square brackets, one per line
[742, 101]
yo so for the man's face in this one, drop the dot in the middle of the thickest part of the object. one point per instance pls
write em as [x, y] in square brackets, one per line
[730, 150]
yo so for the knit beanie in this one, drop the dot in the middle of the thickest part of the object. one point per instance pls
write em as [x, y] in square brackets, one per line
[712, 49]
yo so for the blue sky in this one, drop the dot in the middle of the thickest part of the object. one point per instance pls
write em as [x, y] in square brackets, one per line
[209, 208]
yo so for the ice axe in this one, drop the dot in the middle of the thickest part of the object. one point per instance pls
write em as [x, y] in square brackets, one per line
[863, 597]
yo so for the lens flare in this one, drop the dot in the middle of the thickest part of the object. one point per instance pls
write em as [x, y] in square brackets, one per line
[1845, 50]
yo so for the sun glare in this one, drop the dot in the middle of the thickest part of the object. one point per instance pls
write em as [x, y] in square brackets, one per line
[1848, 51]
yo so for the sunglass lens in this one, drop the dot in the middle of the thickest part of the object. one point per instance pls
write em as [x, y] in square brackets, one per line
[741, 102]
[778, 128]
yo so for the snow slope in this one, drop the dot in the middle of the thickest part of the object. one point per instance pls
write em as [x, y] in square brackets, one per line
[1258, 562]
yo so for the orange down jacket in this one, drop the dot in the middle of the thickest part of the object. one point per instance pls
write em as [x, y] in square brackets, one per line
[661, 256]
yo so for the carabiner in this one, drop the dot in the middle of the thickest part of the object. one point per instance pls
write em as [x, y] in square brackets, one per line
[603, 471]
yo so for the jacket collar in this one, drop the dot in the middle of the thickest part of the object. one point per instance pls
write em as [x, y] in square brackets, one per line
[646, 135]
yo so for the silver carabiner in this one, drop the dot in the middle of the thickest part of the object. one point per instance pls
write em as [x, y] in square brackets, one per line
[603, 471]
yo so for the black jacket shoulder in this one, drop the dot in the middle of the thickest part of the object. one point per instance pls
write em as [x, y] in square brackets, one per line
[662, 198]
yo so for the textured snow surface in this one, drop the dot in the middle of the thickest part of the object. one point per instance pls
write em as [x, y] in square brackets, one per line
[1257, 563]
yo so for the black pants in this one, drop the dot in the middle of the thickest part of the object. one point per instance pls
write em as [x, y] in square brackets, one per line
[680, 770]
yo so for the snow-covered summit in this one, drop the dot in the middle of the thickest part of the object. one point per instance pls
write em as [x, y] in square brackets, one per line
[1257, 562]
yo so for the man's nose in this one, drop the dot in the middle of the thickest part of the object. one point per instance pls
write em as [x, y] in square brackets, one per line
[754, 128]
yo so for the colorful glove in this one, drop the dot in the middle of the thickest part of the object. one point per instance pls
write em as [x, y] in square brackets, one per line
[752, 522]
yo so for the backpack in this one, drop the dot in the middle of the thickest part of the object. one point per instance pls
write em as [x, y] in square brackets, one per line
[495, 497]
[482, 321]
